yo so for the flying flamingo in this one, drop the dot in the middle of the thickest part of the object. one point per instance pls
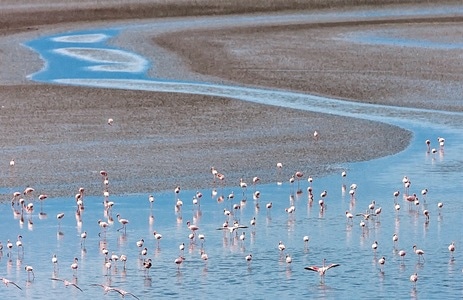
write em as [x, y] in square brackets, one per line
[321, 270]
[7, 282]
[67, 283]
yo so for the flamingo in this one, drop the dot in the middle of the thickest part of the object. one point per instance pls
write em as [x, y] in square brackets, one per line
[418, 252]
[411, 199]
[255, 180]
[371, 207]
[349, 216]
[396, 194]
[288, 259]
[374, 246]
[7, 282]
[279, 167]
[281, 246]
[147, 264]
[103, 226]
[269, 206]
[298, 175]
[157, 236]
[378, 212]
[83, 237]
[395, 238]
[178, 261]
[451, 248]
[243, 186]
[19, 243]
[402, 254]
[214, 174]
[75, 265]
[9, 245]
[306, 239]
[204, 255]
[151, 200]
[414, 278]
[29, 270]
[381, 263]
[181, 247]
[54, 260]
[242, 237]
[426, 214]
[248, 258]
[123, 293]
[343, 174]
[192, 227]
[123, 258]
[67, 283]
[315, 135]
[123, 222]
[59, 217]
[322, 270]
[428, 146]
[253, 221]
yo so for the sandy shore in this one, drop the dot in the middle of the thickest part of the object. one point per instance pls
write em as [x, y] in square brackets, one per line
[60, 140]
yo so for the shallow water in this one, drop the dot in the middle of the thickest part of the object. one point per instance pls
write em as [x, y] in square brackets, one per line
[226, 274]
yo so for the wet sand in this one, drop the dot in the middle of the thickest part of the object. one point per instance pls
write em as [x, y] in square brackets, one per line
[60, 140]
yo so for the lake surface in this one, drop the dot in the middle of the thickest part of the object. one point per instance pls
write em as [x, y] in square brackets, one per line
[226, 274]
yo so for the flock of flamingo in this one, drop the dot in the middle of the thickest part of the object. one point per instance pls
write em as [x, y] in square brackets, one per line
[23, 205]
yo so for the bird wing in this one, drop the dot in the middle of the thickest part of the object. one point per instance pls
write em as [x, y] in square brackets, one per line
[332, 266]
[312, 268]
[7, 281]
[13, 283]
[57, 279]
[76, 286]
[133, 295]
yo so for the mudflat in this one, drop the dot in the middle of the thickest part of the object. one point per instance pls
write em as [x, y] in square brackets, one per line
[60, 139]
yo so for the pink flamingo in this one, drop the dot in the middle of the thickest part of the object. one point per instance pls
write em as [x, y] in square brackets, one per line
[321, 270]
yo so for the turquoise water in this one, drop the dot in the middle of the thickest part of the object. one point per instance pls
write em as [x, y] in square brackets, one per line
[226, 274]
